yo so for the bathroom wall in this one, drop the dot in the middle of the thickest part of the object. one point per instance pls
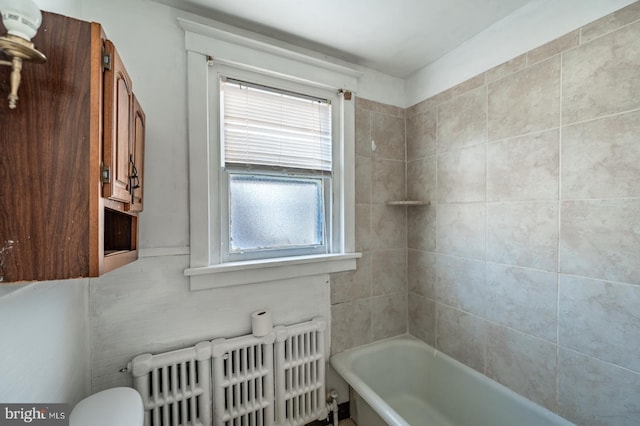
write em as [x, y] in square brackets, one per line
[44, 349]
[371, 303]
[525, 265]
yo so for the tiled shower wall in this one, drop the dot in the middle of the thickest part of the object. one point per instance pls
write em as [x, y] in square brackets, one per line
[526, 265]
[371, 303]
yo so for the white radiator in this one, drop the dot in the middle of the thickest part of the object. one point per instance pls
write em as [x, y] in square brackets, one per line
[277, 380]
[243, 381]
[175, 386]
[300, 363]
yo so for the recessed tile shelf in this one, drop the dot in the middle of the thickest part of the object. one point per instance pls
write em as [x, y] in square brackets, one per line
[408, 203]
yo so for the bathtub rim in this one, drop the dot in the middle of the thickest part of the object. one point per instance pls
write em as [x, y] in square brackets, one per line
[341, 363]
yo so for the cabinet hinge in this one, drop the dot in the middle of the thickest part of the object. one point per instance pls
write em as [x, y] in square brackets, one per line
[106, 61]
[105, 174]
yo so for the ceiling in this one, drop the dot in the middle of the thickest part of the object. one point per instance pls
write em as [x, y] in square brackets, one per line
[396, 37]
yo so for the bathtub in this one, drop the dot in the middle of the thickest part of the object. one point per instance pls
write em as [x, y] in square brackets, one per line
[403, 381]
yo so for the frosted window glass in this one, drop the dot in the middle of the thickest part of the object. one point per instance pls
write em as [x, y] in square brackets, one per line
[271, 212]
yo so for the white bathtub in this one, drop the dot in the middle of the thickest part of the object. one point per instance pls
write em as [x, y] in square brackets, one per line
[403, 381]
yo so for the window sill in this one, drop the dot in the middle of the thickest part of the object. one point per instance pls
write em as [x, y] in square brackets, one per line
[255, 271]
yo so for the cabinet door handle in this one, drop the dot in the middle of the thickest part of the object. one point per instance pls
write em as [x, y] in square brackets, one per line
[134, 180]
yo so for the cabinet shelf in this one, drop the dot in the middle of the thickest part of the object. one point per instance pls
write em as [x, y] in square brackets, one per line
[408, 203]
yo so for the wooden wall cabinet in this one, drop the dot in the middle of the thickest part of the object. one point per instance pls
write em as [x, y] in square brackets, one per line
[71, 159]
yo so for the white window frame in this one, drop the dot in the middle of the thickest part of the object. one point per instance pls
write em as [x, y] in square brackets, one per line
[212, 48]
[333, 222]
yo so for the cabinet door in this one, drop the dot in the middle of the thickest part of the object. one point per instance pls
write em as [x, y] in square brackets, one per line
[118, 103]
[136, 163]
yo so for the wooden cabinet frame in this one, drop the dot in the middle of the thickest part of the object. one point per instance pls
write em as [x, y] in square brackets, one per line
[55, 222]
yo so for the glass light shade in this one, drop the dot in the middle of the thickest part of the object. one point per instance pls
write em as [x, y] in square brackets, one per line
[22, 18]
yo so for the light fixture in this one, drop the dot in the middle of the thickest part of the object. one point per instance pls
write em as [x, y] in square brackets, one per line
[22, 19]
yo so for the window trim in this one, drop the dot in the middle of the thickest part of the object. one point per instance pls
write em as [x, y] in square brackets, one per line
[248, 52]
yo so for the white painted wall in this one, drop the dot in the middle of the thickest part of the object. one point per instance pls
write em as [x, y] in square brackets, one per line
[44, 343]
[379, 87]
[147, 307]
[63, 7]
[529, 27]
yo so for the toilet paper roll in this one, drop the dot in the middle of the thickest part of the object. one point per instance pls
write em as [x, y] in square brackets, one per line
[261, 323]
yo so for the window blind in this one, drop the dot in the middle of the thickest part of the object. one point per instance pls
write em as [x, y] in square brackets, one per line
[264, 126]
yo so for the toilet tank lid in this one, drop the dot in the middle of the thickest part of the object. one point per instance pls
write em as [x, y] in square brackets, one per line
[117, 406]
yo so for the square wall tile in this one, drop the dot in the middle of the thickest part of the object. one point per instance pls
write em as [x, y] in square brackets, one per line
[350, 325]
[363, 132]
[421, 134]
[592, 392]
[524, 364]
[389, 272]
[601, 319]
[462, 121]
[525, 102]
[523, 234]
[363, 180]
[461, 229]
[389, 227]
[388, 133]
[461, 336]
[462, 175]
[352, 285]
[421, 179]
[422, 318]
[601, 158]
[363, 227]
[524, 168]
[388, 181]
[421, 273]
[524, 299]
[341, 284]
[601, 77]
[389, 316]
[421, 220]
[461, 283]
[601, 239]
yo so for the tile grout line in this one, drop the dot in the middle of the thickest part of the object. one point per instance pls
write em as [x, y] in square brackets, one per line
[486, 219]
[371, 172]
[435, 205]
[557, 393]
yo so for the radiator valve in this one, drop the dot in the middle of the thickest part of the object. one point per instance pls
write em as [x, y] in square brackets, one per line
[332, 406]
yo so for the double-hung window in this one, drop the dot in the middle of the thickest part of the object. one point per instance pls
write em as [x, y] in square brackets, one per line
[271, 160]
[276, 150]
